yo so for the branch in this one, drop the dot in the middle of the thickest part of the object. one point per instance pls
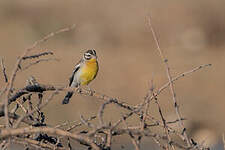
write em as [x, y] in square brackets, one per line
[165, 61]
[6, 133]
[180, 76]
[4, 70]
[223, 138]
[18, 63]
[37, 55]
[34, 110]
[37, 143]
[38, 61]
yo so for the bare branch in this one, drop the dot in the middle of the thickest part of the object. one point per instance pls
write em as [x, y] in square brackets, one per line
[165, 61]
[101, 111]
[166, 130]
[38, 61]
[109, 139]
[94, 134]
[37, 55]
[34, 110]
[223, 138]
[180, 76]
[36, 143]
[18, 63]
[5, 133]
[79, 124]
[85, 122]
[4, 70]
[134, 141]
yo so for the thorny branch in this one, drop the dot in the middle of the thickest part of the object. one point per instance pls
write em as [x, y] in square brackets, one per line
[37, 55]
[18, 64]
[31, 130]
[165, 61]
[96, 135]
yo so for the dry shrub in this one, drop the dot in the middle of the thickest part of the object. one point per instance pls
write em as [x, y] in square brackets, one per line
[25, 120]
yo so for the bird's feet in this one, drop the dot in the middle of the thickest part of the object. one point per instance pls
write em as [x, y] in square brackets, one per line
[90, 92]
[79, 90]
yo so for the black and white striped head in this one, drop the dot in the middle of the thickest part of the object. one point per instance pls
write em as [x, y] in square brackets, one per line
[89, 54]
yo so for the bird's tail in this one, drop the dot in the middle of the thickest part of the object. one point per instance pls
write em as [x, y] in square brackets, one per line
[67, 98]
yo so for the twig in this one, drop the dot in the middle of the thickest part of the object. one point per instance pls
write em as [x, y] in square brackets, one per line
[69, 145]
[85, 122]
[5, 133]
[34, 110]
[108, 139]
[4, 145]
[38, 61]
[37, 55]
[63, 124]
[170, 81]
[168, 122]
[164, 86]
[180, 76]
[123, 118]
[101, 111]
[147, 101]
[157, 141]
[39, 88]
[223, 138]
[37, 143]
[21, 105]
[25, 120]
[42, 88]
[4, 70]
[134, 141]
[166, 130]
[18, 63]
[16, 107]
[146, 133]
[3, 90]
[5, 102]
[79, 124]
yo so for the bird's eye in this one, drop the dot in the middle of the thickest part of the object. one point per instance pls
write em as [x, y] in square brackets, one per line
[87, 56]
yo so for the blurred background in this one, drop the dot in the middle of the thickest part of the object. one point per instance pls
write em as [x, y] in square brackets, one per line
[191, 33]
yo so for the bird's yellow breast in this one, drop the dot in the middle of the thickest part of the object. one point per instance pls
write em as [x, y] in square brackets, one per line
[89, 71]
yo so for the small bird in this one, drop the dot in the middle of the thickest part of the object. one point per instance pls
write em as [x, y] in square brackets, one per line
[84, 72]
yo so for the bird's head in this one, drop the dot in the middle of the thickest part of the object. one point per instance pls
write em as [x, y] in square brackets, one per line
[90, 55]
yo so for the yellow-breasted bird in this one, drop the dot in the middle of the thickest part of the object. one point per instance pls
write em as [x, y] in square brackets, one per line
[84, 72]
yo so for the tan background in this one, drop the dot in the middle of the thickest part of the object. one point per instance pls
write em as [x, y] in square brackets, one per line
[191, 33]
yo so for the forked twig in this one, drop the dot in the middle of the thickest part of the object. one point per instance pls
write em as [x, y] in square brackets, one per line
[31, 130]
[34, 110]
[18, 63]
[101, 111]
[165, 61]
[180, 76]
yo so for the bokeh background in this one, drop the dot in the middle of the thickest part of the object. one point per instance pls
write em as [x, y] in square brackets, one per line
[190, 32]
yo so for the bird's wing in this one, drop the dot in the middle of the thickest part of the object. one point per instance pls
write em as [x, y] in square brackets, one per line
[77, 67]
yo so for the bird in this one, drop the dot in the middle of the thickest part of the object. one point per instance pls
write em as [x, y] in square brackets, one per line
[83, 73]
